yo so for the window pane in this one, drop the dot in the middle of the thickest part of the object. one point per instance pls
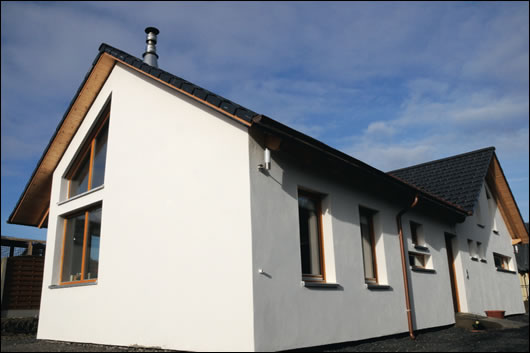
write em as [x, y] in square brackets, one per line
[79, 182]
[368, 260]
[498, 261]
[92, 247]
[100, 155]
[309, 235]
[73, 248]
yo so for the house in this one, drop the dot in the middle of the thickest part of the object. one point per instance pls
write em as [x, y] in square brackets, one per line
[179, 219]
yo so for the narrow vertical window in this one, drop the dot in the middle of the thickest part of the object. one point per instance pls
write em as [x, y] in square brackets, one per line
[471, 249]
[80, 256]
[414, 232]
[89, 170]
[310, 218]
[480, 250]
[368, 245]
[492, 206]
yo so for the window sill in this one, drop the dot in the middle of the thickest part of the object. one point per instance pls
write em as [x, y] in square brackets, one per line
[80, 195]
[70, 285]
[505, 271]
[420, 269]
[421, 247]
[324, 285]
[473, 258]
[372, 286]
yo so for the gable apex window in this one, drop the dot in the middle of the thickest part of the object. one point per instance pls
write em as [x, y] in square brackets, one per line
[88, 170]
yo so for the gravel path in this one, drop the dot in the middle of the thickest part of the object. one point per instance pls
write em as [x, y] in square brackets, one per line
[451, 339]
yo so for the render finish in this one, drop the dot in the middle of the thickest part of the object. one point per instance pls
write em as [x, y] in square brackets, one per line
[175, 249]
[289, 315]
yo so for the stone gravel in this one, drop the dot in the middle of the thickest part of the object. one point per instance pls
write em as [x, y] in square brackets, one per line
[449, 339]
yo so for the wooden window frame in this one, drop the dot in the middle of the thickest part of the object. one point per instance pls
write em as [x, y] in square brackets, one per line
[86, 212]
[89, 147]
[370, 214]
[317, 198]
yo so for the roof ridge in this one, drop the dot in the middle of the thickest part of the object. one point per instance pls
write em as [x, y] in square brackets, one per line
[492, 148]
[203, 94]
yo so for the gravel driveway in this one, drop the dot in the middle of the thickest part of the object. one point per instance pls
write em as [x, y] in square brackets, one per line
[451, 339]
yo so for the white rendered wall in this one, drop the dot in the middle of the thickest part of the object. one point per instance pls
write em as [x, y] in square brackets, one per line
[288, 315]
[485, 287]
[175, 252]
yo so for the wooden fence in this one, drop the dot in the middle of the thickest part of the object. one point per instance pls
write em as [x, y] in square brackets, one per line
[23, 283]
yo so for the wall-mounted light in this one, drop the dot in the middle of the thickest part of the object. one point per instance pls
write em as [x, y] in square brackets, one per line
[267, 159]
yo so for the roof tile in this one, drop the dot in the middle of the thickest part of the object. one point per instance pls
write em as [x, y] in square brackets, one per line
[175, 81]
[457, 179]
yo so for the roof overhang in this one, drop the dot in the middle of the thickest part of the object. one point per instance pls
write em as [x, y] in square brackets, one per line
[506, 202]
[319, 156]
[33, 206]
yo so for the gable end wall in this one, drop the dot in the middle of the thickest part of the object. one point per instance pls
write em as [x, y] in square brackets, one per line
[175, 252]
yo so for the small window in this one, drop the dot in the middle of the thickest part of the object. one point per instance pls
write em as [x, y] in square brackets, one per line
[478, 213]
[80, 255]
[501, 262]
[89, 169]
[416, 233]
[472, 249]
[492, 208]
[368, 244]
[480, 251]
[417, 260]
[311, 247]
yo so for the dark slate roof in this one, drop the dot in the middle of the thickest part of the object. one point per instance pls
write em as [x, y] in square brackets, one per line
[457, 179]
[247, 114]
[178, 82]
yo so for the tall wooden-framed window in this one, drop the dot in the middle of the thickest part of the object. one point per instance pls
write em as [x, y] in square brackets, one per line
[80, 250]
[311, 242]
[88, 169]
[368, 244]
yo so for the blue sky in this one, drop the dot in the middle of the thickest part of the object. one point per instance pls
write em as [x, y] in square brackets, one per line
[392, 84]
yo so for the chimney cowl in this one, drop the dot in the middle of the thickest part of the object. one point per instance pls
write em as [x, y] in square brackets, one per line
[150, 56]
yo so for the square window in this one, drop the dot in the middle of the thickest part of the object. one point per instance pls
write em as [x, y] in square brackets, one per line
[501, 262]
[417, 260]
[81, 239]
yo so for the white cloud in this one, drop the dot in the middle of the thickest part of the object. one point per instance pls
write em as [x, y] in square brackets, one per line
[391, 83]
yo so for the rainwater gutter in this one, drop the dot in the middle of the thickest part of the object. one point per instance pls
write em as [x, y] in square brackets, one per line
[404, 264]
